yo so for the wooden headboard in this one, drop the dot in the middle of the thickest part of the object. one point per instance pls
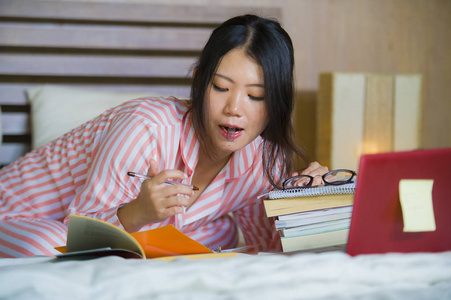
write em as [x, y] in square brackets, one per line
[106, 46]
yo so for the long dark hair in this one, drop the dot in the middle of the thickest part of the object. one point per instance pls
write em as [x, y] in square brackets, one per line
[265, 41]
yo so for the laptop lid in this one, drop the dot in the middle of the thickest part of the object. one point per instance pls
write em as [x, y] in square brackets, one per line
[377, 224]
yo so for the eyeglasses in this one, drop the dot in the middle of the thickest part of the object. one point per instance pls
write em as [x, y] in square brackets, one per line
[335, 177]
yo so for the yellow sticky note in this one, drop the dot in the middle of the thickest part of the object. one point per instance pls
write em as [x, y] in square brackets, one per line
[416, 204]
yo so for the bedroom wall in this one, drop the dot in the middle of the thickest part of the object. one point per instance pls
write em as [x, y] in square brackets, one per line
[377, 36]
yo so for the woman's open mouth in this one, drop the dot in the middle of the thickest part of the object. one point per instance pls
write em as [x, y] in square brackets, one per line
[230, 132]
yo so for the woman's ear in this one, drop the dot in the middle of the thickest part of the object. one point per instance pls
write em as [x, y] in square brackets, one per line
[194, 71]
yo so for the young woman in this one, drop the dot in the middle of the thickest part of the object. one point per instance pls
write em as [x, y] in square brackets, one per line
[233, 140]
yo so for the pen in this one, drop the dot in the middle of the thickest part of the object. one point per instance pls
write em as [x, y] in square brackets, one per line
[142, 176]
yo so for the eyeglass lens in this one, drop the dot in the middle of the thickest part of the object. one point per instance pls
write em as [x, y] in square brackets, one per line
[338, 177]
[335, 177]
[298, 181]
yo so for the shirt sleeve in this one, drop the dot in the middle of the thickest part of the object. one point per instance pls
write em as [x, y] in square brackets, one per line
[127, 145]
[257, 228]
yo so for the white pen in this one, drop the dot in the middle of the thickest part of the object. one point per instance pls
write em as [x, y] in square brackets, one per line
[143, 176]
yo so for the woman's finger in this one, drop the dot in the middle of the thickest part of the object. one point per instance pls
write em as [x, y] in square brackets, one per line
[315, 169]
[317, 180]
[179, 200]
[169, 176]
[176, 189]
[153, 168]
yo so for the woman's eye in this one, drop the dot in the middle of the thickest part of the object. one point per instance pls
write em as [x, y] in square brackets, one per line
[256, 98]
[219, 89]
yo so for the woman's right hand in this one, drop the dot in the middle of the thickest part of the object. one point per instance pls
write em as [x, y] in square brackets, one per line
[156, 201]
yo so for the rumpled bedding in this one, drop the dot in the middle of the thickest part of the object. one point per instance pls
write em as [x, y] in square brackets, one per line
[329, 275]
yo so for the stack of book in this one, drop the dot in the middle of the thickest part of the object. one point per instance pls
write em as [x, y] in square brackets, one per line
[313, 219]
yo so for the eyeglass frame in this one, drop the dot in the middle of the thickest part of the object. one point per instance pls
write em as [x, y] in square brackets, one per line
[309, 184]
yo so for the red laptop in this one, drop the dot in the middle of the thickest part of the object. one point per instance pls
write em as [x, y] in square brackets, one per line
[377, 220]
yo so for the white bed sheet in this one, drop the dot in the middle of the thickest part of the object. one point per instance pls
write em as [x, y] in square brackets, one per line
[331, 275]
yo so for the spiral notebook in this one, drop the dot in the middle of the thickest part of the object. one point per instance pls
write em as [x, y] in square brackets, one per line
[348, 188]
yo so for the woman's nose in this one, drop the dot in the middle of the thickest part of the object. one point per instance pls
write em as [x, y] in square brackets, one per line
[234, 104]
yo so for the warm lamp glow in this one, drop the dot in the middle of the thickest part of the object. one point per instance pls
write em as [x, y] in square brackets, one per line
[372, 147]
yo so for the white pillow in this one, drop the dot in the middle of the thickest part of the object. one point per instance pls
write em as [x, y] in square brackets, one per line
[56, 110]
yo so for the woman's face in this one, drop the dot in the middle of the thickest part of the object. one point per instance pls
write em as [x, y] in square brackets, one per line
[235, 101]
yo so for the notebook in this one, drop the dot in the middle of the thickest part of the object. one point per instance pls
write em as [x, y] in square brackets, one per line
[348, 188]
[377, 223]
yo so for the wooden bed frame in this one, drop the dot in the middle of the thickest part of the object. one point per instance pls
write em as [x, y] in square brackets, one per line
[105, 46]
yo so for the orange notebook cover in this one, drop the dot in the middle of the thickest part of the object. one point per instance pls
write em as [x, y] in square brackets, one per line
[92, 238]
[168, 241]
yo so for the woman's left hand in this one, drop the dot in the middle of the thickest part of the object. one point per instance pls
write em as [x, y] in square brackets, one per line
[315, 170]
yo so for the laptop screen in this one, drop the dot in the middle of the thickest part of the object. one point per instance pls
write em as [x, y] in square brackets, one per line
[379, 218]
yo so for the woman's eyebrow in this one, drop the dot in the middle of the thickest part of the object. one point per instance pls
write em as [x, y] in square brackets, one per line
[231, 80]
